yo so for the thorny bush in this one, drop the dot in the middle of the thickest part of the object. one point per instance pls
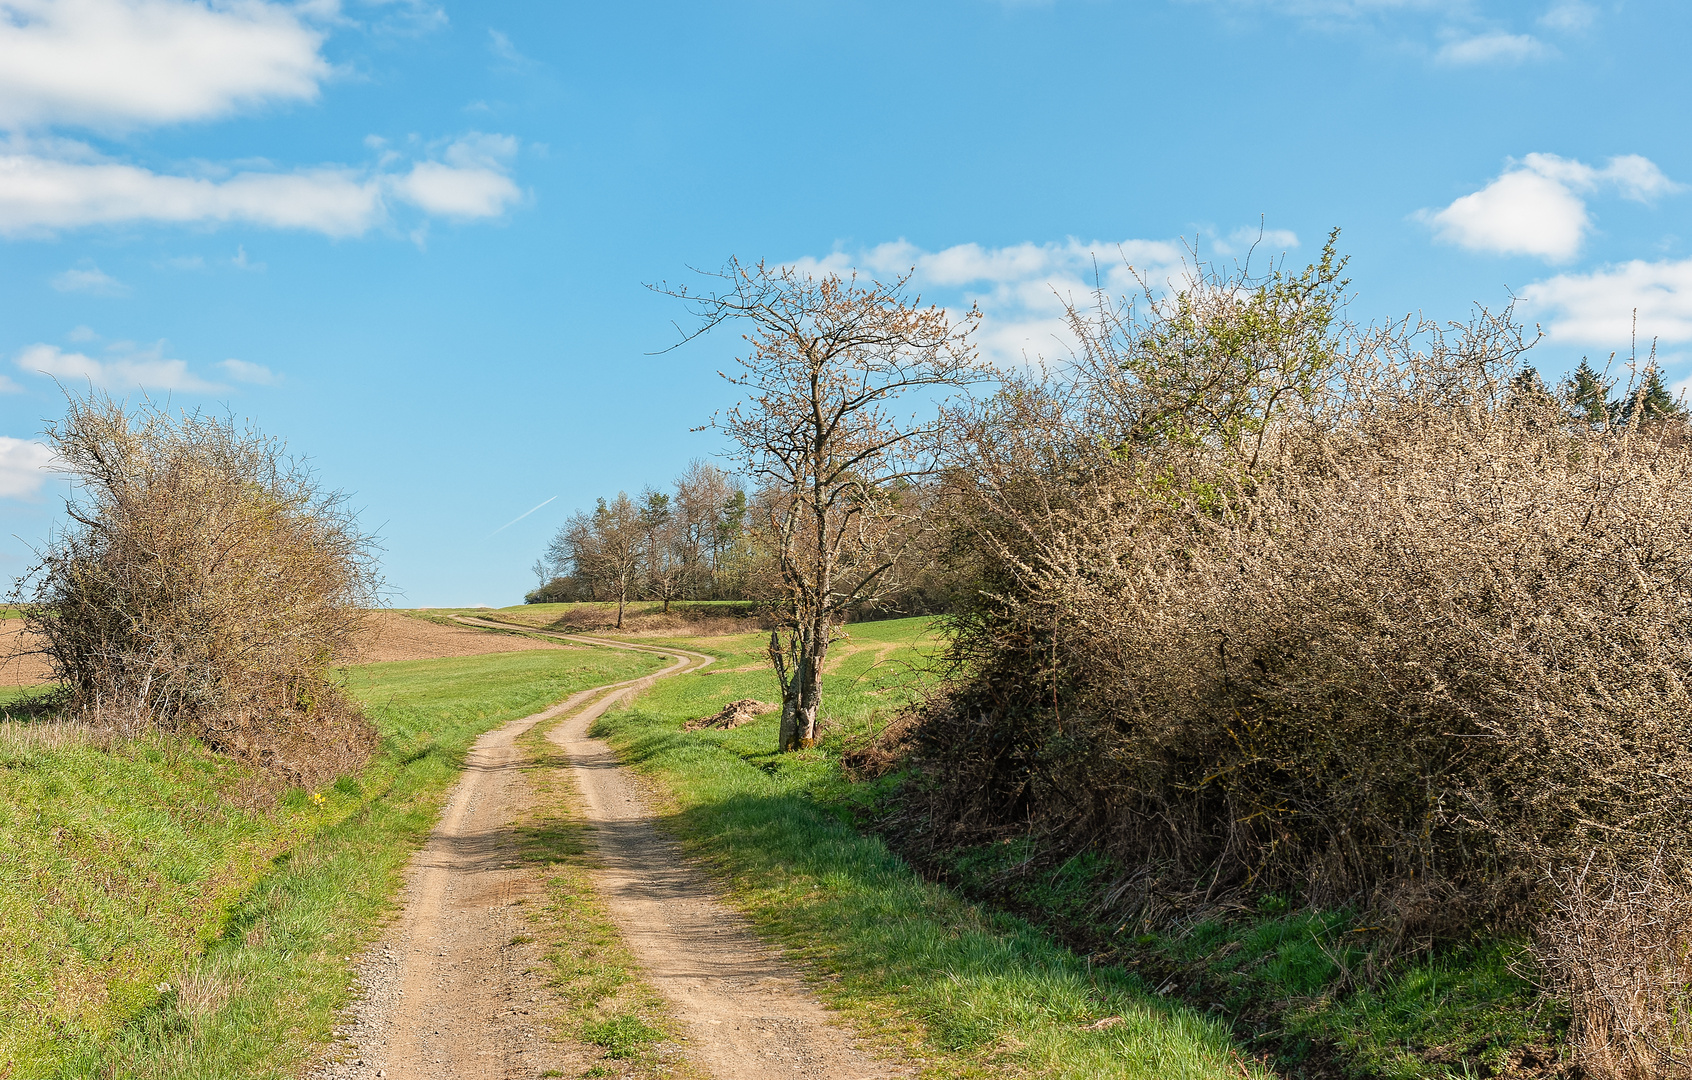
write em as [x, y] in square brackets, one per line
[204, 583]
[1274, 603]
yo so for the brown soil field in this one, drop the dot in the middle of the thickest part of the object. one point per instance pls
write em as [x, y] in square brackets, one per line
[398, 636]
[19, 667]
[394, 636]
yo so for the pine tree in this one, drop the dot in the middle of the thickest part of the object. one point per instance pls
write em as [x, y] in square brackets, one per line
[1526, 387]
[1588, 395]
[1653, 403]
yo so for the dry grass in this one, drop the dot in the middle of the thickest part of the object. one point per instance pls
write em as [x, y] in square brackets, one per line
[18, 737]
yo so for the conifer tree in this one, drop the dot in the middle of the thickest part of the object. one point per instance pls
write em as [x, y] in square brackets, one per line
[1588, 395]
[1653, 402]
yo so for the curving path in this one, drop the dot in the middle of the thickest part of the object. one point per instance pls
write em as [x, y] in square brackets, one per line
[450, 992]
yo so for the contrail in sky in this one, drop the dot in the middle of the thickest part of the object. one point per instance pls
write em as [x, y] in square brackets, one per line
[516, 519]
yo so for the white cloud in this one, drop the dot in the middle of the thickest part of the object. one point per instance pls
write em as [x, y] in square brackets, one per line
[500, 45]
[1256, 240]
[454, 192]
[88, 279]
[1535, 206]
[129, 63]
[1022, 288]
[41, 194]
[147, 368]
[407, 18]
[1494, 48]
[1598, 308]
[471, 183]
[1569, 16]
[24, 466]
[8, 386]
[246, 372]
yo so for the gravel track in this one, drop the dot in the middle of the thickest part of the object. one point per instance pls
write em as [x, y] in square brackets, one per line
[447, 993]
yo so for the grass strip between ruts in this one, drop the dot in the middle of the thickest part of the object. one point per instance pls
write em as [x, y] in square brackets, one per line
[604, 1002]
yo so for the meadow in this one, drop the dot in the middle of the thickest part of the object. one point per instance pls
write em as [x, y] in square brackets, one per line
[167, 922]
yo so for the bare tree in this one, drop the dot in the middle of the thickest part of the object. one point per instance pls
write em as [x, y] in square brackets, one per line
[816, 435]
[605, 549]
[573, 554]
[620, 548]
[662, 545]
[711, 513]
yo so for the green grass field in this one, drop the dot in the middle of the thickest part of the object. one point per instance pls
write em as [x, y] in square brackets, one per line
[156, 931]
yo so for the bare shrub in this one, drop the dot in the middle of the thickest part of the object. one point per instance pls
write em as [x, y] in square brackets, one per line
[1276, 604]
[1618, 942]
[205, 583]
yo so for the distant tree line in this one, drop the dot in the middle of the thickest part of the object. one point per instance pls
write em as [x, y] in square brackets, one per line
[689, 543]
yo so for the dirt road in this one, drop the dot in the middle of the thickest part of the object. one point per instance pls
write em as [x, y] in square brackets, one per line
[452, 991]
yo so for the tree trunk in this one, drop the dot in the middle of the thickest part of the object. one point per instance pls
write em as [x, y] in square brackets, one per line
[801, 692]
[809, 698]
[789, 737]
[622, 598]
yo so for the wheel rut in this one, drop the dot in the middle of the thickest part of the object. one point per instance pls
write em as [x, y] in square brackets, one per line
[452, 992]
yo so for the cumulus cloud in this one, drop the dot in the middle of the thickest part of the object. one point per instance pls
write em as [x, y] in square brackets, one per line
[42, 193]
[1598, 308]
[8, 386]
[133, 63]
[1020, 288]
[1494, 48]
[253, 374]
[24, 466]
[146, 368]
[88, 279]
[1536, 206]
[469, 183]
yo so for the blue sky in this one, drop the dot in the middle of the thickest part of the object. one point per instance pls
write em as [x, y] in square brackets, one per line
[412, 237]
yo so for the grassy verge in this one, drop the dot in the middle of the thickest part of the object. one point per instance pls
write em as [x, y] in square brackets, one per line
[974, 985]
[1293, 981]
[165, 933]
[964, 989]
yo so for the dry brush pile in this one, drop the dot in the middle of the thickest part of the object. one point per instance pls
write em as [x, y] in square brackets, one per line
[1369, 618]
[204, 583]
